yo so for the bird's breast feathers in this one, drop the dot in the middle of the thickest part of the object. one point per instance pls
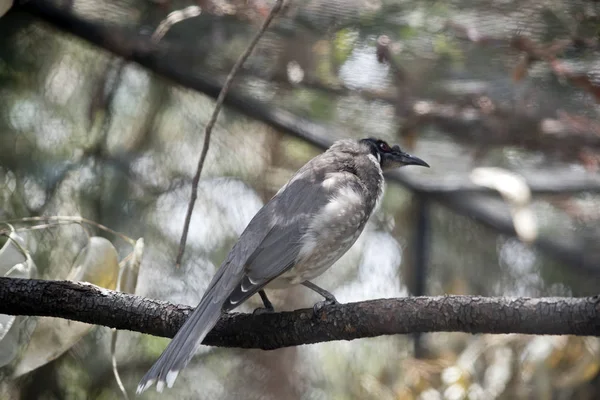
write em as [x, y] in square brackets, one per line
[333, 229]
[332, 216]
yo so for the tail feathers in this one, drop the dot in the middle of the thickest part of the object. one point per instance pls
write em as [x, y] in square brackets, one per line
[183, 346]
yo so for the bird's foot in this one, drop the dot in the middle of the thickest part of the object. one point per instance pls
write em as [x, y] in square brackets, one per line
[268, 308]
[263, 310]
[329, 301]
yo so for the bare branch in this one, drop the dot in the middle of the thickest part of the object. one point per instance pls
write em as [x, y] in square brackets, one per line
[213, 119]
[88, 303]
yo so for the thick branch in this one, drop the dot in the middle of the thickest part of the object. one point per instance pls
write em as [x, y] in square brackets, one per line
[87, 303]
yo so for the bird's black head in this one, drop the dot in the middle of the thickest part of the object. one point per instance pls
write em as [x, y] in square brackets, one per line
[391, 157]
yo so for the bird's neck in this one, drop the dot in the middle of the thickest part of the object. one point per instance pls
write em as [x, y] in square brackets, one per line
[372, 177]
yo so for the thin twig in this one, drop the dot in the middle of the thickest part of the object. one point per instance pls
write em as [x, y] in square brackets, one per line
[174, 18]
[115, 369]
[213, 119]
[65, 220]
[114, 333]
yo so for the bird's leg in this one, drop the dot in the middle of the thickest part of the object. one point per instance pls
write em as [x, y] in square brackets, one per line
[266, 301]
[329, 298]
[268, 308]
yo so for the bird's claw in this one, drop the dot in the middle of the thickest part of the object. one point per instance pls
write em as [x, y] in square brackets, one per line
[330, 301]
[263, 310]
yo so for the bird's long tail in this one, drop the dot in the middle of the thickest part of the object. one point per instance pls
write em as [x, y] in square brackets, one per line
[183, 346]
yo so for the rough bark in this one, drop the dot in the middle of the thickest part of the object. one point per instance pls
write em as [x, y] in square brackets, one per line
[472, 314]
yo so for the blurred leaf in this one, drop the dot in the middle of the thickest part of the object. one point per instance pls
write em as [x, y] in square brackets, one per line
[10, 333]
[443, 46]
[516, 194]
[498, 372]
[98, 264]
[129, 277]
[323, 51]
[343, 44]
[11, 253]
[15, 262]
[580, 362]
[539, 351]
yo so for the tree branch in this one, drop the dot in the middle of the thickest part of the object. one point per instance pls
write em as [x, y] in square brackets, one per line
[91, 304]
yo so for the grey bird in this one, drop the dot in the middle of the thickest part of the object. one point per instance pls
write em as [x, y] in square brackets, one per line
[305, 228]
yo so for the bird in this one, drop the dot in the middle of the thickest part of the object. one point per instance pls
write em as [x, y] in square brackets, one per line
[296, 236]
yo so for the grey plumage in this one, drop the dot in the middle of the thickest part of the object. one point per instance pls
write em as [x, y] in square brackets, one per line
[305, 228]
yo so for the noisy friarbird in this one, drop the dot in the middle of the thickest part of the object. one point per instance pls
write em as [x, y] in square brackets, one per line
[301, 232]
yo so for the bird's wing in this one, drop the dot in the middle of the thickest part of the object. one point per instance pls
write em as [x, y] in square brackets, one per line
[289, 216]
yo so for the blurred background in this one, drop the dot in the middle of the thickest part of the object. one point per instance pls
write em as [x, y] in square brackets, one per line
[465, 85]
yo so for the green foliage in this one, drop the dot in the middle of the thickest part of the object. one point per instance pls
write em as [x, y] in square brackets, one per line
[445, 47]
[343, 44]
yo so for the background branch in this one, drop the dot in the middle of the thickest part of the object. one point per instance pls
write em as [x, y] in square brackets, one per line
[157, 58]
[87, 303]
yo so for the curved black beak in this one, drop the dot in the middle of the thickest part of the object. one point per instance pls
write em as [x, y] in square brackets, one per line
[407, 159]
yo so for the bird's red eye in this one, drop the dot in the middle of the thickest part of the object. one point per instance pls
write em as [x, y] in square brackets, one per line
[384, 146]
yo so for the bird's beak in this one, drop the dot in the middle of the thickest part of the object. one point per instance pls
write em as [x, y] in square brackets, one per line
[397, 158]
[407, 159]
